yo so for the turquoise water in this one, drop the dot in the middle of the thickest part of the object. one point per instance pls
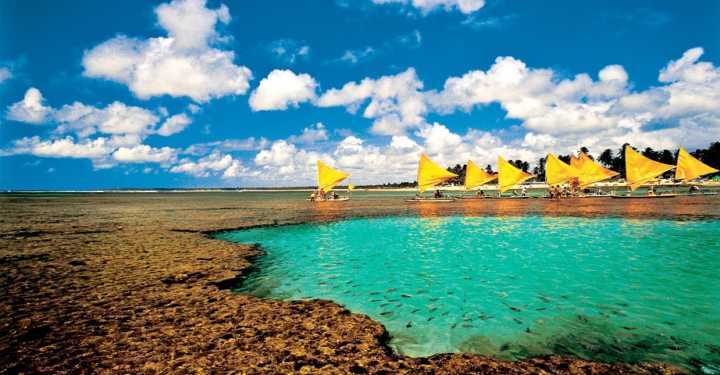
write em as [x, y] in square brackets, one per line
[607, 289]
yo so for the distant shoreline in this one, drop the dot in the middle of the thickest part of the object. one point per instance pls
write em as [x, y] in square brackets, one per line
[310, 189]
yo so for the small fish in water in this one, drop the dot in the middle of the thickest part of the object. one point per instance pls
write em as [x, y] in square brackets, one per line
[445, 313]
[467, 325]
[629, 328]
[408, 325]
[349, 282]
[583, 318]
[513, 308]
[450, 293]
[375, 300]
[430, 318]
[398, 305]
[384, 304]
[322, 283]
[484, 317]
[386, 313]
[527, 330]
[518, 321]
[544, 298]
[453, 326]
[432, 308]
[541, 309]
[391, 290]
[433, 299]
[414, 311]
[405, 296]
[374, 293]
[669, 323]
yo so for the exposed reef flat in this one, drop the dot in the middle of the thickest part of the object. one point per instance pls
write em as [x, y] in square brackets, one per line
[132, 283]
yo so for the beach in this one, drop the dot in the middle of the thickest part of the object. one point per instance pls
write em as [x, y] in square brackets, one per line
[128, 283]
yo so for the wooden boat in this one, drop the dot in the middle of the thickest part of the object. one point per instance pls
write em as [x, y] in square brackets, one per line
[430, 200]
[429, 175]
[328, 178]
[644, 196]
[341, 199]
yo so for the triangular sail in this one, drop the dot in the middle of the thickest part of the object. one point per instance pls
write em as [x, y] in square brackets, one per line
[557, 171]
[639, 169]
[590, 172]
[328, 177]
[431, 174]
[689, 168]
[509, 175]
[476, 176]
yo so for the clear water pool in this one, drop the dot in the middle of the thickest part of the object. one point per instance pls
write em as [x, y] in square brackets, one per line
[606, 289]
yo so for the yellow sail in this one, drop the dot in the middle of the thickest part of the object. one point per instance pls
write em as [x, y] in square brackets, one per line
[590, 172]
[509, 176]
[476, 176]
[328, 177]
[689, 168]
[557, 171]
[431, 174]
[639, 169]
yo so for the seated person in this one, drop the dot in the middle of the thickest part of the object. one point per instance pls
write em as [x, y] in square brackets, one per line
[437, 194]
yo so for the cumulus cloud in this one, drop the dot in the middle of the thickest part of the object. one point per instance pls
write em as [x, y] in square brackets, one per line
[63, 148]
[312, 134]
[395, 105]
[426, 6]
[282, 88]
[31, 109]
[182, 64]
[144, 154]
[174, 124]
[214, 164]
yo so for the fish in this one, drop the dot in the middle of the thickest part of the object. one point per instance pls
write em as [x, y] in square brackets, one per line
[386, 313]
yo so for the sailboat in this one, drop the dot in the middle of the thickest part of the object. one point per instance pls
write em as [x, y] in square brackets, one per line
[328, 178]
[558, 172]
[590, 172]
[429, 175]
[640, 170]
[509, 176]
[476, 177]
[689, 168]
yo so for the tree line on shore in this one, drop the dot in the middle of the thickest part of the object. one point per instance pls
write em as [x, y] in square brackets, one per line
[608, 158]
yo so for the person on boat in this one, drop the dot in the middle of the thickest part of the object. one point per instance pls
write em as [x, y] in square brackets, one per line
[651, 191]
[481, 194]
[312, 196]
[694, 189]
[335, 195]
[523, 191]
[437, 194]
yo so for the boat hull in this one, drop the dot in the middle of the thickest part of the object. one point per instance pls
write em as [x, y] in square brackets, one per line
[644, 196]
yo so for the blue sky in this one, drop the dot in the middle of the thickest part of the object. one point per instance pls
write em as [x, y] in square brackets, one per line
[251, 93]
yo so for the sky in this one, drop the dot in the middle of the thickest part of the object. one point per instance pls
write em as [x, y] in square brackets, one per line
[194, 93]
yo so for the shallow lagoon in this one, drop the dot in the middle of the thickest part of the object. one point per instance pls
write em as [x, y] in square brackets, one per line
[607, 289]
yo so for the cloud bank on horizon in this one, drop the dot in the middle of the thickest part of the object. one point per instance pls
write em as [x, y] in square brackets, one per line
[400, 116]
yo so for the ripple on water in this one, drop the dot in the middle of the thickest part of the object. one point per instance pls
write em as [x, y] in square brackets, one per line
[606, 289]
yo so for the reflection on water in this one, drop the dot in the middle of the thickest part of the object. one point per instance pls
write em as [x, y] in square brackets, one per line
[511, 286]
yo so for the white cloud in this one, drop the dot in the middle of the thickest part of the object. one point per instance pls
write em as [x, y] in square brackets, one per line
[174, 125]
[5, 74]
[289, 51]
[182, 64]
[312, 134]
[396, 103]
[355, 56]
[282, 88]
[426, 6]
[144, 154]
[31, 109]
[190, 23]
[63, 148]
[116, 118]
[213, 164]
